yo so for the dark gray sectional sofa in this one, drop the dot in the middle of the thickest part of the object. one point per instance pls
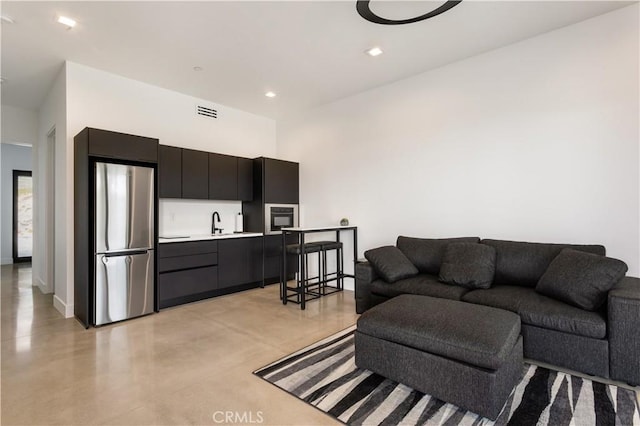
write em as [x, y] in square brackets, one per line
[603, 342]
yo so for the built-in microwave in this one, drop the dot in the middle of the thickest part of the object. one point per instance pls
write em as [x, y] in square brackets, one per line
[278, 216]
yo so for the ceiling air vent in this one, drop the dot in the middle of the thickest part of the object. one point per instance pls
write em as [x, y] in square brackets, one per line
[206, 111]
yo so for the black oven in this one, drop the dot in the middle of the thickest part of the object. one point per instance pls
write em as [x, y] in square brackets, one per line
[278, 216]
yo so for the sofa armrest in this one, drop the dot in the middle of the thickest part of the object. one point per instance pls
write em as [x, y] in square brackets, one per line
[365, 275]
[624, 331]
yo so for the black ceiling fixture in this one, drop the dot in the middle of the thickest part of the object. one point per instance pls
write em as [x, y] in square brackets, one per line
[362, 6]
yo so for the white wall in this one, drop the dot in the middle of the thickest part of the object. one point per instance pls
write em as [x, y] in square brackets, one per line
[193, 217]
[51, 266]
[94, 98]
[107, 101]
[14, 157]
[537, 141]
[19, 125]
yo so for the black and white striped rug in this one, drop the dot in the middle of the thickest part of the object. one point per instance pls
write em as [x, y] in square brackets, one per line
[325, 376]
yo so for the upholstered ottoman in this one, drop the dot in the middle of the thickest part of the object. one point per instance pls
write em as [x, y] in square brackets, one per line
[465, 354]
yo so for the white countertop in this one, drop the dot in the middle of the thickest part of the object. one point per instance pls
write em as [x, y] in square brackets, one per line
[319, 228]
[180, 239]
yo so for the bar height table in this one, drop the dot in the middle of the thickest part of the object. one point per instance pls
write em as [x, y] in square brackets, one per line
[301, 232]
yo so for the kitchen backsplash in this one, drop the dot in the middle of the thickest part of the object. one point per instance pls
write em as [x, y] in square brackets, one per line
[193, 217]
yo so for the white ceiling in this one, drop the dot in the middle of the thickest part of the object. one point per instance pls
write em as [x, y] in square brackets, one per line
[309, 53]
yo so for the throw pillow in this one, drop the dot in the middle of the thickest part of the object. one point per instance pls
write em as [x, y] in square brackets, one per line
[468, 265]
[581, 279]
[390, 263]
[426, 253]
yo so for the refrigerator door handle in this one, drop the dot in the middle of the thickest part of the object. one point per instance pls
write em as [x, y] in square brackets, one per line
[131, 252]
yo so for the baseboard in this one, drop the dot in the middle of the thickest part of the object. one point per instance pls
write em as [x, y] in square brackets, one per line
[6, 261]
[42, 286]
[63, 308]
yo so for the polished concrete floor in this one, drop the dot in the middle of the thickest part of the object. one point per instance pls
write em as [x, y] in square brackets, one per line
[184, 365]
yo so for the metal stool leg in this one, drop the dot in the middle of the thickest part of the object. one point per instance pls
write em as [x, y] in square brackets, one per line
[340, 263]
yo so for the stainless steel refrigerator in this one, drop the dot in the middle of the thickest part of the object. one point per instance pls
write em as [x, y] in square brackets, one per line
[124, 242]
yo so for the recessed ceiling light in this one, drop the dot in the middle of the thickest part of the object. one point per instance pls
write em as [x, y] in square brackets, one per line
[374, 51]
[70, 23]
[6, 19]
[270, 95]
[197, 68]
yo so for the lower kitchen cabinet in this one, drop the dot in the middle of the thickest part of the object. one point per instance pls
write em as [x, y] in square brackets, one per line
[177, 287]
[273, 258]
[187, 272]
[240, 261]
[196, 270]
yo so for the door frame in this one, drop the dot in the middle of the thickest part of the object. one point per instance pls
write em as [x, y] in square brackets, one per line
[16, 175]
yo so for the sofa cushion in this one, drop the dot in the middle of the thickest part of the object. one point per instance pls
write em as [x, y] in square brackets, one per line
[522, 263]
[426, 253]
[390, 263]
[581, 279]
[508, 297]
[424, 285]
[542, 311]
[480, 335]
[469, 265]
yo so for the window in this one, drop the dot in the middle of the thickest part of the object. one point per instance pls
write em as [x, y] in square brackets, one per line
[22, 216]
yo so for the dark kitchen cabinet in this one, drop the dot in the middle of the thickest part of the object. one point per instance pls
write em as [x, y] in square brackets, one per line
[170, 171]
[273, 258]
[195, 270]
[195, 174]
[230, 178]
[240, 261]
[187, 271]
[105, 143]
[281, 183]
[188, 285]
[223, 177]
[191, 174]
[245, 179]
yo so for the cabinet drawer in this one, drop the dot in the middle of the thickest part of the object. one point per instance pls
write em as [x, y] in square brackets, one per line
[172, 285]
[187, 248]
[185, 262]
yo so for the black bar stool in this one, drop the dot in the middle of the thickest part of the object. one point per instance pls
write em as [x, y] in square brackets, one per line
[304, 284]
[338, 275]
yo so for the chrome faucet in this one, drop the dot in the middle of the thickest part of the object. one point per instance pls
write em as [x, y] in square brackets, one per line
[213, 223]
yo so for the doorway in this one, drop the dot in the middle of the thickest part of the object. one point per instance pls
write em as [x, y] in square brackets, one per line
[50, 203]
[22, 216]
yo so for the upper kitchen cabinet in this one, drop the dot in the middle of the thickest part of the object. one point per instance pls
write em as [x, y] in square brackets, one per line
[280, 182]
[245, 179]
[223, 177]
[191, 174]
[122, 146]
[230, 178]
[170, 172]
[195, 174]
